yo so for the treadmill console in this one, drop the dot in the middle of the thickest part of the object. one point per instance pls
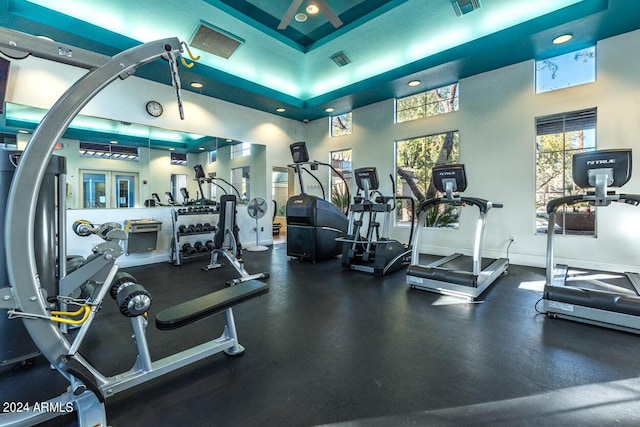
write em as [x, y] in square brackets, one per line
[199, 172]
[449, 179]
[299, 152]
[367, 178]
[616, 164]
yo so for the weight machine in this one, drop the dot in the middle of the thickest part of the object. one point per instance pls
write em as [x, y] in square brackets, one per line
[25, 298]
[226, 242]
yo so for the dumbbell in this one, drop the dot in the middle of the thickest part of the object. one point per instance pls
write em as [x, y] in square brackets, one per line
[206, 227]
[191, 228]
[187, 249]
[209, 244]
[198, 246]
[182, 228]
[198, 228]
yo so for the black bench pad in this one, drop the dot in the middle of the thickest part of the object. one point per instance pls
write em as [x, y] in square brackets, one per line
[190, 311]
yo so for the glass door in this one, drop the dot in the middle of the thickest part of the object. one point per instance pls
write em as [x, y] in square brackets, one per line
[124, 191]
[106, 189]
[94, 190]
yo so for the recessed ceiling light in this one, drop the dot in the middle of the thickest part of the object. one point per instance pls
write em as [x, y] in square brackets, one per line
[229, 140]
[280, 110]
[171, 149]
[329, 110]
[197, 85]
[312, 9]
[45, 38]
[201, 148]
[413, 83]
[23, 131]
[113, 141]
[300, 17]
[562, 39]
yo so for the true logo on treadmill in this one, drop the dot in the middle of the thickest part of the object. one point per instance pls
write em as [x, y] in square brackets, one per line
[601, 162]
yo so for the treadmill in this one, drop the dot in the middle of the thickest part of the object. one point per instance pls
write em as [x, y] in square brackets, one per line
[611, 300]
[457, 274]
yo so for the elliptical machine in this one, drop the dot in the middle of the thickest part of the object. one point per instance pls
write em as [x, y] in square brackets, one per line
[374, 252]
[313, 224]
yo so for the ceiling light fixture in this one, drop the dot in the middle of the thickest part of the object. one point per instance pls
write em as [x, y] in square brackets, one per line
[201, 148]
[280, 110]
[113, 141]
[300, 17]
[329, 110]
[196, 85]
[562, 39]
[413, 83]
[312, 9]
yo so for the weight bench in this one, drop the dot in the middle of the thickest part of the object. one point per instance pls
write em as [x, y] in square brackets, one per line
[214, 303]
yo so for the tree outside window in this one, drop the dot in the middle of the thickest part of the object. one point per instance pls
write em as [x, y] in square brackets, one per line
[342, 162]
[414, 159]
[558, 138]
[437, 101]
[342, 124]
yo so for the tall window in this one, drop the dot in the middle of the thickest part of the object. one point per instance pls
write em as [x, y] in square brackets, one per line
[570, 69]
[430, 103]
[241, 150]
[558, 138]
[414, 159]
[341, 162]
[342, 124]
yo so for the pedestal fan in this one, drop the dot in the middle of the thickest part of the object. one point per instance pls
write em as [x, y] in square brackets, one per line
[257, 208]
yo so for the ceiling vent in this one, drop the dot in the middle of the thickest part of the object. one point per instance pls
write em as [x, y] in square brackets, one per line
[340, 59]
[462, 7]
[214, 40]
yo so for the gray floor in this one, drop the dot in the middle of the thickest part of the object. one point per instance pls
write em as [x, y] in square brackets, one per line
[329, 346]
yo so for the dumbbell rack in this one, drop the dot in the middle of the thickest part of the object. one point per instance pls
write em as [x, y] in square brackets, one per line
[194, 215]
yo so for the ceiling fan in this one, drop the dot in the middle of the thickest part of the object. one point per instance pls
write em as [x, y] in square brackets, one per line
[322, 5]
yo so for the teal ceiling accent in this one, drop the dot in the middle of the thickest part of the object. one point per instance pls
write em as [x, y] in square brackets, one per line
[389, 42]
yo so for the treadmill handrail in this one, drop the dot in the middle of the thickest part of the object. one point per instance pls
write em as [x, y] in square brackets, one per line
[482, 204]
[553, 205]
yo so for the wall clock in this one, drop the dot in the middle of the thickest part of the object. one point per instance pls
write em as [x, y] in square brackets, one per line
[154, 108]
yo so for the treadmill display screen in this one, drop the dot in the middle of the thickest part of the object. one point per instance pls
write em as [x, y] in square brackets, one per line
[299, 152]
[444, 173]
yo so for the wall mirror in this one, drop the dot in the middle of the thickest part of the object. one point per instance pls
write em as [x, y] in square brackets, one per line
[115, 165]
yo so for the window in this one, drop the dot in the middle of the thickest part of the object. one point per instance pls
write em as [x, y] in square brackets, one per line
[414, 160]
[558, 137]
[178, 181]
[179, 159]
[241, 150]
[213, 156]
[425, 104]
[240, 179]
[108, 151]
[566, 70]
[342, 163]
[341, 124]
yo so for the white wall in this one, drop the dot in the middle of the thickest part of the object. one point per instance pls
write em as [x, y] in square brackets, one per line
[496, 122]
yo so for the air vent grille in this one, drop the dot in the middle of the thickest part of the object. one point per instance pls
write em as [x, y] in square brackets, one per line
[462, 7]
[214, 40]
[340, 59]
